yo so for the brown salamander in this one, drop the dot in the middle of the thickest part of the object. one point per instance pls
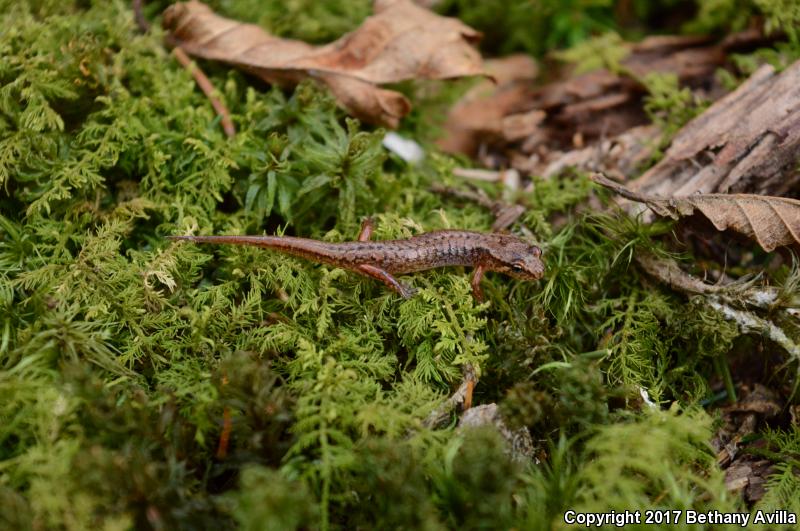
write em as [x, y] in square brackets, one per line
[382, 260]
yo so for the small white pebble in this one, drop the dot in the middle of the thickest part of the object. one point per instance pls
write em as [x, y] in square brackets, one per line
[406, 149]
[646, 397]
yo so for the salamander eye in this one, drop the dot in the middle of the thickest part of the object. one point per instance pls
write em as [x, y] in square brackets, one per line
[516, 268]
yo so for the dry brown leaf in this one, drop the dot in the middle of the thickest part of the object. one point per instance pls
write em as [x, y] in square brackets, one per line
[479, 115]
[400, 41]
[771, 221]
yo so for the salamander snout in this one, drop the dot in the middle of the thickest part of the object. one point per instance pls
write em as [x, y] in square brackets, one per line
[526, 265]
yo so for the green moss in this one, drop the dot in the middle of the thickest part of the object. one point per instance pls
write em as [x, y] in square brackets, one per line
[784, 451]
[680, 474]
[267, 500]
[605, 51]
[533, 26]
[668, 105]
[149, 383]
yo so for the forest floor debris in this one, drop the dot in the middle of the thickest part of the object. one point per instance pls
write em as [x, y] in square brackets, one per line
[154, 385]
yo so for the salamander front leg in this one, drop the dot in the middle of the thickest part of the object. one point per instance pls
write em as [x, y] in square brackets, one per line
[379, 274]
[366, 230]
[477, 275]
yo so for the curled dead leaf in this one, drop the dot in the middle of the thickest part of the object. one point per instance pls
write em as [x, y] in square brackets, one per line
[400, 41]
[771, 221]
[479, 114]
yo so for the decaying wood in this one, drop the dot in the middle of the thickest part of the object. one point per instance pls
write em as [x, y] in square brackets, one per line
[740, 293]
[748, 141]
[603, 104]
[400, 41]
[520, 446]
[460, 399]
[772, 221]
[621, 156]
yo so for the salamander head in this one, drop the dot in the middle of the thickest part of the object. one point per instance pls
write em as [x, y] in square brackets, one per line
[518, 259]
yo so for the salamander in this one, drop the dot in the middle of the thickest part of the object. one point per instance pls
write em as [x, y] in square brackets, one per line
[382, 260]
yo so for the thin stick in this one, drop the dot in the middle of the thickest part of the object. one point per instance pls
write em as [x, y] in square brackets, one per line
[225, 435]
[199, 76]
[227, 426]
[505, 214]
[208, 89]
[138, 15]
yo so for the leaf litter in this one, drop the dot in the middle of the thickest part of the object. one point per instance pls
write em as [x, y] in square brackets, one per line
[401, 41]
[771, 221]
[594, 120]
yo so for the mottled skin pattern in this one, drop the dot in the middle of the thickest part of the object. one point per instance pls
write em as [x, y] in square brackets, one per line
[382, 259]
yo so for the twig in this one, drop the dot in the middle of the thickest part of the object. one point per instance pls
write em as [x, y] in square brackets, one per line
[737, 293]
[477, 174]
[227, 427]
[225, 435]
[138, 15]
[462, 397]
[505, 214]
[208, 89]
[508, 178]
[722, 298]
[197, 73]
[751, 323]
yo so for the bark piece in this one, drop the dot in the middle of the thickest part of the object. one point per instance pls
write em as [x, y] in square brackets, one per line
[771, 221]
[520, 444]
[400, 41]
[748, 140]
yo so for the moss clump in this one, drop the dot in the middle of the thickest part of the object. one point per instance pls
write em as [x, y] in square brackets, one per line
[152, 384]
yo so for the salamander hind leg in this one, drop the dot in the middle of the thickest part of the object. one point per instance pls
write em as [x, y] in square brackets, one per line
[366, 230]
[379, 274]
